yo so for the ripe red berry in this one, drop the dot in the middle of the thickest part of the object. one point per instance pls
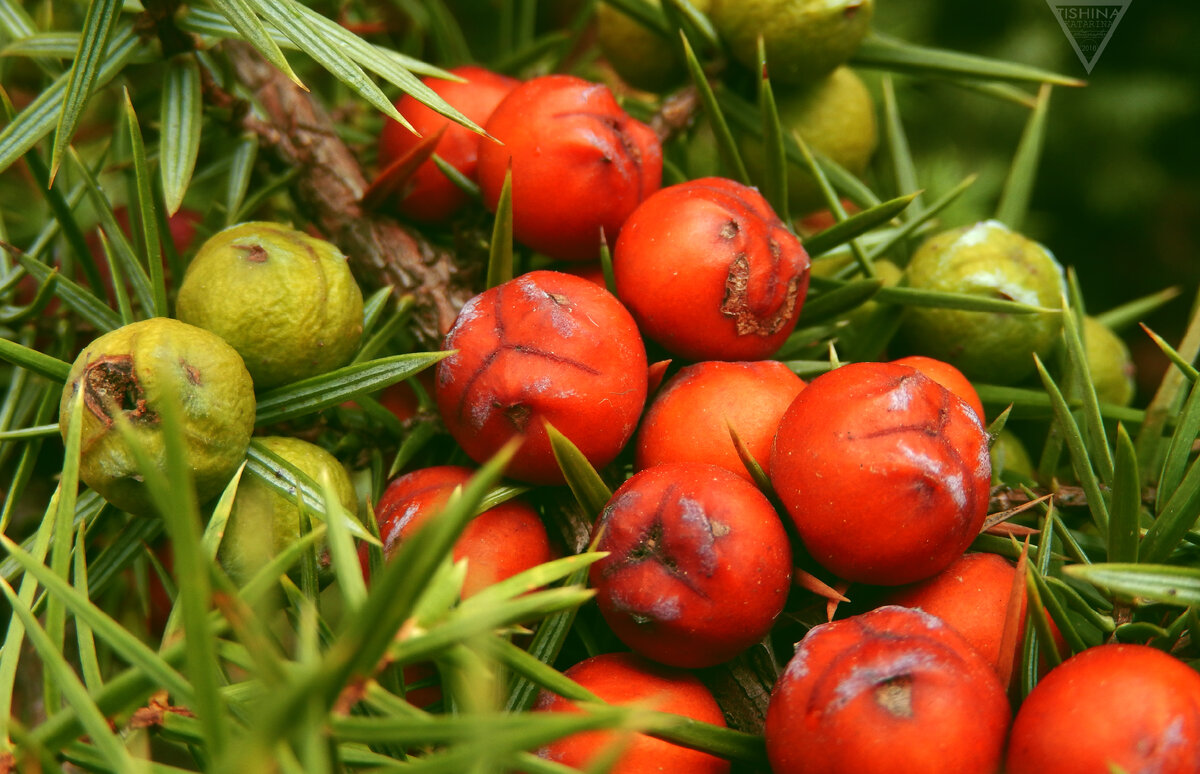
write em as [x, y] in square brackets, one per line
[497, 544]
[690, 418]
[545, 346]
[1110, 708]
[892, 690]
[580, 164]
[710, 272]
[430, 196]
[972, 596]
[699, 564]
[885, 473]
[624, 678]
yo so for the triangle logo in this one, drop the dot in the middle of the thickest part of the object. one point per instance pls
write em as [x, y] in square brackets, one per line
[1088, 25]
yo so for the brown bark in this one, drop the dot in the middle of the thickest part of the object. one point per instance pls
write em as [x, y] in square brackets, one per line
[330, 185]
[743, 687]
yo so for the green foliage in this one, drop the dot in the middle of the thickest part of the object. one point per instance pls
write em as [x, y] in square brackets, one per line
[500, 251]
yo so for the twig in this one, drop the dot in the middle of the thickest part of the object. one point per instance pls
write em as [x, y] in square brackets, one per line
[677, 113]
[298, 131]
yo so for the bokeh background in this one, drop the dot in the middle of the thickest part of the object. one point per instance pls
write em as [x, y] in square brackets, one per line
[1118, 190]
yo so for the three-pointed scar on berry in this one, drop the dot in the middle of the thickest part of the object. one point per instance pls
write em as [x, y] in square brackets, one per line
[653, 545]
[517, 412]
[628, 146]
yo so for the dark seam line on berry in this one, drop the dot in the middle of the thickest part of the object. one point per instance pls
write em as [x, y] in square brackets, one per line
[418, 492]
[724, 194]
[466, 391]
[526, 350]
[618, 130]
[498, 329]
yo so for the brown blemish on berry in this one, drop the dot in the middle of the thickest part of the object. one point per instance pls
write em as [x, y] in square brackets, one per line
[926, 492]
[763, 311]
[518, 414]
[851, 10]
[255, 254]
[738, 304]
[648, 546]
[110, 383]
[191, 372]
[895, 696]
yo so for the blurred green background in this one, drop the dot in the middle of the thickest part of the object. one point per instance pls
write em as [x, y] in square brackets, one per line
[1118, 191]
